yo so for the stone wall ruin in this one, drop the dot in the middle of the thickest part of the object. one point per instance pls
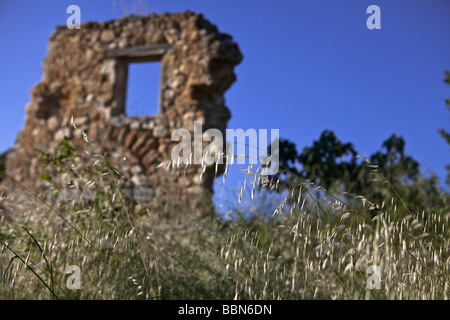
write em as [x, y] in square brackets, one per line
[85, 76]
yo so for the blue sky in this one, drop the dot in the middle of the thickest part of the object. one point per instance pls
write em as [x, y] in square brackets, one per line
[308, 66]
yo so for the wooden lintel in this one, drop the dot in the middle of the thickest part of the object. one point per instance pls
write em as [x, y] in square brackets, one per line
[148, 53]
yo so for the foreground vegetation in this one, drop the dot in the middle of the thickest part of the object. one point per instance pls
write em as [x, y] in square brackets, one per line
[316, 245]
[381, 233]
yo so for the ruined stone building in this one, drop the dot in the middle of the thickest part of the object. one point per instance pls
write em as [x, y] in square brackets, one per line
[85, 77]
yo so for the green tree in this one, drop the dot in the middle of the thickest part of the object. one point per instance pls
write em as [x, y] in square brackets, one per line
[394, 163]
[328, 162]
[333, 164]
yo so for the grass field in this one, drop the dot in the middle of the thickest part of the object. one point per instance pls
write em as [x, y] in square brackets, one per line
[315, 245]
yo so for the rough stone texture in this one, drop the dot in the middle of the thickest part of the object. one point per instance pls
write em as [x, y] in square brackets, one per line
[82, 81]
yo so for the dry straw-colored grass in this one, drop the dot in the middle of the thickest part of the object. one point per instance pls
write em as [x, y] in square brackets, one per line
[314, 246]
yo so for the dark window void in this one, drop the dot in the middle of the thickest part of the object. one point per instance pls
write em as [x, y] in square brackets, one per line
[142, 96]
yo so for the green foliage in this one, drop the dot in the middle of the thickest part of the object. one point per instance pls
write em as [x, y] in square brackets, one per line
[107, 178]
[394, 163]
[323, 162]
[333, 165]
[56, 164]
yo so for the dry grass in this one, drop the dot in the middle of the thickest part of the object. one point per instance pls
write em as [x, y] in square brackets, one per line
[311, 248]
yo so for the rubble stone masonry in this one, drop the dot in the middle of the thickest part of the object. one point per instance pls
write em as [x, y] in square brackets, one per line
[85, 77]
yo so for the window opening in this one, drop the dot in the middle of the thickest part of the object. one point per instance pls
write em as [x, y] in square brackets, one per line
[142, 97]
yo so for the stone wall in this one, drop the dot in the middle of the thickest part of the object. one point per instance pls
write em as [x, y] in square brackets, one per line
[85, 75]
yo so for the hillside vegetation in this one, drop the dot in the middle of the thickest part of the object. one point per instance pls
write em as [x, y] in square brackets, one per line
[346, 228]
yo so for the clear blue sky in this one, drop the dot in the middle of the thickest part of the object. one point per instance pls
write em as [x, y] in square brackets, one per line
[308, 66]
